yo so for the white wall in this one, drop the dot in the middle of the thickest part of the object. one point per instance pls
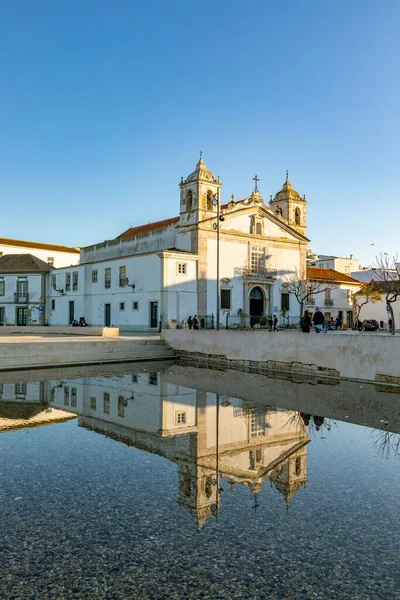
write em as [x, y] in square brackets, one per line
[36, 298]
[61, 259]
[353, 355]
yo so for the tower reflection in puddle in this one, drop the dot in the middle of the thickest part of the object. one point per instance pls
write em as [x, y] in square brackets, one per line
[208, 436]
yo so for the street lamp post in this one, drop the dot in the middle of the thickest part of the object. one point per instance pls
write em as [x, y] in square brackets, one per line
[216, 203]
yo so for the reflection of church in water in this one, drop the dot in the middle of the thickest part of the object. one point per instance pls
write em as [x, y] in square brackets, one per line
[209, 437]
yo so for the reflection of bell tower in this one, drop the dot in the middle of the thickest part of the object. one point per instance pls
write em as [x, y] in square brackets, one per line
[198, 491]
[197, 192]
[291, 475]
[290, 206]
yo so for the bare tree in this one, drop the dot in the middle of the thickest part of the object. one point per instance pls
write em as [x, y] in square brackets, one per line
[389, 274]
[303, 287]
[368, 292]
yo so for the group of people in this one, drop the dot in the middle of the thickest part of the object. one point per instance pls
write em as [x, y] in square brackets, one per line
[319, 322]
[193, 323]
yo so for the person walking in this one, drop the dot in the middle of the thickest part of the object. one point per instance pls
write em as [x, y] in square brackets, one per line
[338, 323]
[196, 322]
[306, 322]
[319, 320]
[270, 323]
[275, 323]
[190, 322]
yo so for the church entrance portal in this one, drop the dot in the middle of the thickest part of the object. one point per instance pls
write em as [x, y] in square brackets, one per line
[256, 305]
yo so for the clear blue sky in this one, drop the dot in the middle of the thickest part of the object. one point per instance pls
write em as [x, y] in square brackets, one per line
[104, 105]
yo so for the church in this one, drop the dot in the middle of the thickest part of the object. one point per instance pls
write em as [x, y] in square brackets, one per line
[220, 261]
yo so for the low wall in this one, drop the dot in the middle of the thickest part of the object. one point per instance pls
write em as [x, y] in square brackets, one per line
[365, 356]
[53, 330]
[25, 353]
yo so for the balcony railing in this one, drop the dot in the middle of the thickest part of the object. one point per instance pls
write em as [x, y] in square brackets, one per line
[21, 298]
[328, 302]
[255, 273]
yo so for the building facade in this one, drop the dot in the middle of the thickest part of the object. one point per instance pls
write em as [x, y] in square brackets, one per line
[336, 300]
[161, 273]
[52, 254]
[23, 289]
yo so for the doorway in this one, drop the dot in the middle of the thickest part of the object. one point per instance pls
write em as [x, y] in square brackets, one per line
[71, 311]
[22, 316]
[153, 315]
[107, 315]
[256, 305]
[2, 315]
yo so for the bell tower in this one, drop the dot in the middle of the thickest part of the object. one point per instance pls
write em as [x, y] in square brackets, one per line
[196, 194]
[290, 206]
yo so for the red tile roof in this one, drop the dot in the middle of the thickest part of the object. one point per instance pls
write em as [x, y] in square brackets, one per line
[149, 227]
[26, 244]
[317, 274]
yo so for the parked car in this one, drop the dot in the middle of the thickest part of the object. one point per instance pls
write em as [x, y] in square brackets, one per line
[370, 325]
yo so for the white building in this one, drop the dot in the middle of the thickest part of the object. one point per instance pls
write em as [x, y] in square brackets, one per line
[342, 264]
[23, 281]
[378, 310]
[164, 272]
[336, 300]
[52, 254]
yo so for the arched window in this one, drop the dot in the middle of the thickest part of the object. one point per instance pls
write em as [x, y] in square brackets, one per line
[258, 229]
[297, 216]
[189, 200]
[210, 197]
[279, 211]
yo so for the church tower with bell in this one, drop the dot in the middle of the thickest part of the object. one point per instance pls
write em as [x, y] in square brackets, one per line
[288, 205]
[197, 193]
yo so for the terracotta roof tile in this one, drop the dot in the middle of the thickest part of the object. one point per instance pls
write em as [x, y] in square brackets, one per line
[23, 263]
[149, 227]
[26, 244]
[318, 274]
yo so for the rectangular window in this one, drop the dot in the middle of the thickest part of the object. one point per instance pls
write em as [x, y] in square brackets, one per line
[93, 403]
[66, 396]
[121, 406]
[349, 296]
[106, 403]
[225, 299]
[153, 378]
[257, 260]
[285, 301]
[181, 268]
[2, 287]
[53, 282]
[122, 276]
[107, 278]
[94, 276]
[50, 261]
[73, 397]
[257, 423]
[53, 304]
[135, 305]
[122, 306]
[67, 281]
[180, 418]
[75, 280]
[20, 390]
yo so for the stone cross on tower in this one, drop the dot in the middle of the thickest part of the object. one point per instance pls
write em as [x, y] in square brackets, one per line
[256, 180]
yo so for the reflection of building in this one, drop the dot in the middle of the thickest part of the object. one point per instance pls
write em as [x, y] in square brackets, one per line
[208, 436]
[23, 405]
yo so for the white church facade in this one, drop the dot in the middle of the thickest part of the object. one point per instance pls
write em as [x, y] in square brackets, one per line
[161, 273]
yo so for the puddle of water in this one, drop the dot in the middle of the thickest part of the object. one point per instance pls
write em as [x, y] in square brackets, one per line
[195, 483]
